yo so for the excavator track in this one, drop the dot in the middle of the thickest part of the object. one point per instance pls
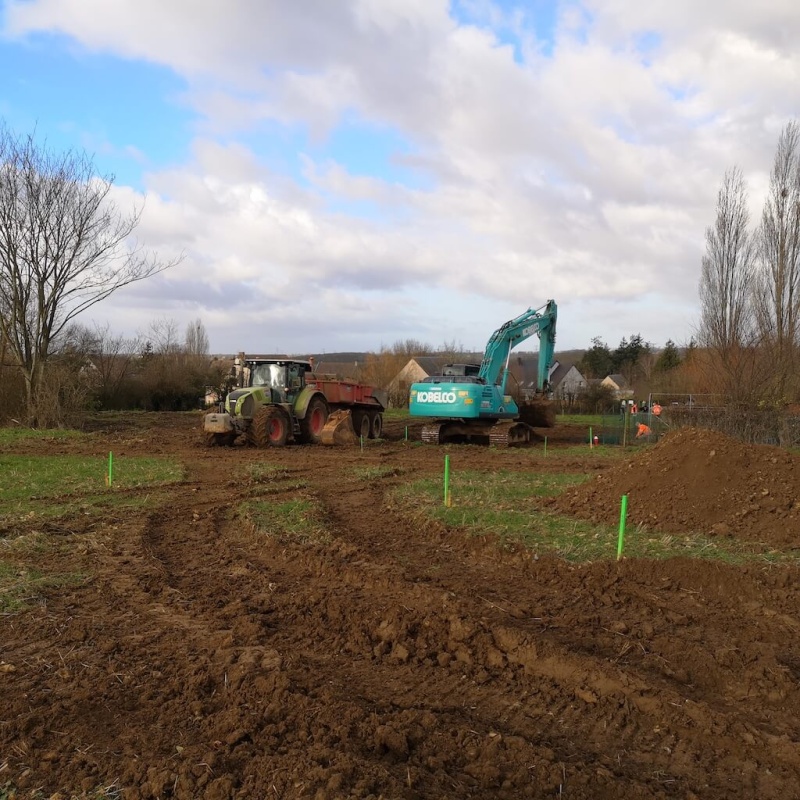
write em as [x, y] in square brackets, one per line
[509, 432]
[431, 433]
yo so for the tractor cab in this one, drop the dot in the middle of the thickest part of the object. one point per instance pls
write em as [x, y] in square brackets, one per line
[285, 378]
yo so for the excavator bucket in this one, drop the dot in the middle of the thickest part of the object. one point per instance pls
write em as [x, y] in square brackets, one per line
[339, 429]
[538, 413]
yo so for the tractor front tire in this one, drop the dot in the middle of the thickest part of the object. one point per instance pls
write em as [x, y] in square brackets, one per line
[314, 421]
[270, 427]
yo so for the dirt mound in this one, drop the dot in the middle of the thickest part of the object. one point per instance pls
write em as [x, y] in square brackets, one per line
[696, 480]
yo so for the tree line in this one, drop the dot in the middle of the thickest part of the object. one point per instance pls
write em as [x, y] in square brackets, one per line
[750, 286]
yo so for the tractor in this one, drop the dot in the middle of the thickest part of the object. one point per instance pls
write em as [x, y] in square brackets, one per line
[280, 400]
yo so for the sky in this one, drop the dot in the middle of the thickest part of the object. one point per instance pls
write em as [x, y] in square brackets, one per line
[341, 175]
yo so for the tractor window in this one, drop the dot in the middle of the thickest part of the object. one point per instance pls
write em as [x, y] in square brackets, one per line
[269, 375]
[295, 380]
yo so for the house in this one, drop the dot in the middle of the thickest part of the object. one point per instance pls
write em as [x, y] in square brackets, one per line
[619, 385]
[416, 369]
[566, 382]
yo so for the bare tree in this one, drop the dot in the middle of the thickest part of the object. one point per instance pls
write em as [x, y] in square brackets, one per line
[64, 246]
[162, 335]
[196, 341]
[726, 286]
[778, 296]
[728, 268]
[113, 357]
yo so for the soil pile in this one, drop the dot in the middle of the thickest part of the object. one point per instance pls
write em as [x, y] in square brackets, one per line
[699, 481]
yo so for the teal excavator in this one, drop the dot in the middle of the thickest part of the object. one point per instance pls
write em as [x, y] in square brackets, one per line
[468, 403]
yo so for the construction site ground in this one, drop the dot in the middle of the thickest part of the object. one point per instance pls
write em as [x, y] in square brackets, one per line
[394, 657]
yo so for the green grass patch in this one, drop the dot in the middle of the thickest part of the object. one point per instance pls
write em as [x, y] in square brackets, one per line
[583, 451]
[395, 414]
[499, 492]
[375, 472]
[505, 504]
[589, 420]
[273, 479]
[54, 485]
[10, 436]
[266, 472]
[21, 585]
[298, 520]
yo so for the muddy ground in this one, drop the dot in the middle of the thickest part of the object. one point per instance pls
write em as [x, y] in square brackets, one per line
[398, 659]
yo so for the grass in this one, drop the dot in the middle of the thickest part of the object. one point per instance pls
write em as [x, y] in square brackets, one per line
[374, 473]
[8, 791]
[44, 486]
[505, 504]
[266, 472]
[9, 436]
[273, 479]
[19, 585]
[582, 451]
[593, 420]
[396, 414]
[298, 521]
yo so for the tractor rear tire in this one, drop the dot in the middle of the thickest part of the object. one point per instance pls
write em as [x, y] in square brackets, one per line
[375, 425]
[361, 423]
[314, 421]
[270, 427]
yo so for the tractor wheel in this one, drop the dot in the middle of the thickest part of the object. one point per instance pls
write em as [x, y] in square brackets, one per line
[375, 425]
[314, 421]
[270, 427]
[361, 423]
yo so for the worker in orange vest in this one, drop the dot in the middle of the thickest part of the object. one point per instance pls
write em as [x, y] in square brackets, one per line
[656, 409]
[642, 430]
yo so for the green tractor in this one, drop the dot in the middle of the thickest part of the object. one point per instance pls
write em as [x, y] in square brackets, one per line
[280, 400]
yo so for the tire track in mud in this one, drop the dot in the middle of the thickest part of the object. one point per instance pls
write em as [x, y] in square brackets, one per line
[205, 661]
[656, 700]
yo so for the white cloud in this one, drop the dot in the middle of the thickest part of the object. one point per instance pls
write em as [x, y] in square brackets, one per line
[587, 174]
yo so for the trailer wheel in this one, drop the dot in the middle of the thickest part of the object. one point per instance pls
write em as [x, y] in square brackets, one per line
[270, 427]
[314, 421]
[375, 425]
[361, 423]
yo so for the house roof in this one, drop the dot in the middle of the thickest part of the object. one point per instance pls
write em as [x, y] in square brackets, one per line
[341, 369]
[619, 380]
[559, 373]
[432, 365]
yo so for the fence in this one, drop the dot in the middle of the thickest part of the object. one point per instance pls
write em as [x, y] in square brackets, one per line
[750, 425]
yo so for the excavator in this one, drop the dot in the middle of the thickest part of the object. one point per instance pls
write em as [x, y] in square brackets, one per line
[468, 404]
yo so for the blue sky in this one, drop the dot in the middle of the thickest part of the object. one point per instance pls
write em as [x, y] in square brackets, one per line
[340, 176]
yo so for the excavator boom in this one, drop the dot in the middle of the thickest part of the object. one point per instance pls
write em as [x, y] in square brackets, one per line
[494, 367]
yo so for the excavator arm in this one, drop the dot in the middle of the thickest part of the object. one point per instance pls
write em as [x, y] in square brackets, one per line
[541, 321]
